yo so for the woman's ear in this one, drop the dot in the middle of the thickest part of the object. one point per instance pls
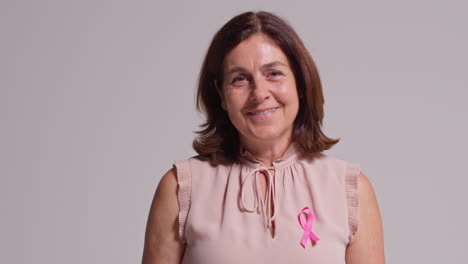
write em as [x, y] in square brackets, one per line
[220, 93]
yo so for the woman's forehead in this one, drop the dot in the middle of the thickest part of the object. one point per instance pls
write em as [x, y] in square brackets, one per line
[258, 51]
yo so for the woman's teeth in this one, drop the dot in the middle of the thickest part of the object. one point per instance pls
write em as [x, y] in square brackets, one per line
[263, 112]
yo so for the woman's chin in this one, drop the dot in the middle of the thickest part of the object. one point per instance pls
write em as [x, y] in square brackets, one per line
[266, 135]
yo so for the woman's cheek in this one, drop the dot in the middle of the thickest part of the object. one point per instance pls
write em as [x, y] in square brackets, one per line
[234, 103]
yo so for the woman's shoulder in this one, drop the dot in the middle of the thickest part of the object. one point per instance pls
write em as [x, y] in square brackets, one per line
[162, 218]
[167, 187]
[327, 160]
[199, 161]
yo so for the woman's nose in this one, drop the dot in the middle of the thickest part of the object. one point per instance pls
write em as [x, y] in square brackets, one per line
[259, 90]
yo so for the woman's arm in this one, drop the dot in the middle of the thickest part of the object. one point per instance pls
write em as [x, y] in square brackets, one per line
[162, 242]
[367, 246]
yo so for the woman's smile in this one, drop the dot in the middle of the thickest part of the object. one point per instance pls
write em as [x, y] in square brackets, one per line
[262, 114]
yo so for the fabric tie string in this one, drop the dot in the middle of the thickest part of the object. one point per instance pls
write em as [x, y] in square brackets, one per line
[270, 200]
[307, 226]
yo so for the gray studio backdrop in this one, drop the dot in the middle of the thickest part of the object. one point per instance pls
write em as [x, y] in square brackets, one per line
[97, 101]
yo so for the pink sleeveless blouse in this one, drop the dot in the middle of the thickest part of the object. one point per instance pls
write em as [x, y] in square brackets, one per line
[223, 217]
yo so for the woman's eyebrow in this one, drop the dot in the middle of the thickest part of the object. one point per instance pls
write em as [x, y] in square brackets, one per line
[273, 64]
[265, 66]
[236, 69]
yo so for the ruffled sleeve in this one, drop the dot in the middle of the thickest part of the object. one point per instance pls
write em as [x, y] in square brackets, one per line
[351, 182]
[184, 182]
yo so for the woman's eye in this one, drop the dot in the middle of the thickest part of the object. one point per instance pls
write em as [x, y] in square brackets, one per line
[275, 73]
[239, 79]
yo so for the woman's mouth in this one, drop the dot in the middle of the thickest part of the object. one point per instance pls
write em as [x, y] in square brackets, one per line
[263, 113]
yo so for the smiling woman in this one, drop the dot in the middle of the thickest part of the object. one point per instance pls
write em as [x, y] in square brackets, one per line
[229, 64]
[259, 92]
[261, 187]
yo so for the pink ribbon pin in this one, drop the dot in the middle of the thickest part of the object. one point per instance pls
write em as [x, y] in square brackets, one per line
[307, 227]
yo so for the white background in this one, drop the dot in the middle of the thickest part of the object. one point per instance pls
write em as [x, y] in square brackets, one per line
[97, 101]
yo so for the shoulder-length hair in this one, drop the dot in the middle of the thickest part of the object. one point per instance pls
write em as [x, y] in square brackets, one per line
[217, 138]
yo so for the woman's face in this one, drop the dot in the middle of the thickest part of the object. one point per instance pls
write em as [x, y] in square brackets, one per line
[259, 90]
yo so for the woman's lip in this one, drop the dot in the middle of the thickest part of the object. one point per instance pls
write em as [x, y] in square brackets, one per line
[261, 110]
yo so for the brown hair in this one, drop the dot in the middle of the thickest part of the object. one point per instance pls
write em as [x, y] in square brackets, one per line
[218, 138]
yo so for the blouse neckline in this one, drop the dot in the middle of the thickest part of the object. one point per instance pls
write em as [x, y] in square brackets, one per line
[289, 156]
[250, 182]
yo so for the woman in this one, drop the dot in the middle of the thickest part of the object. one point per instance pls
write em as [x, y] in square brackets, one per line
[260, 190]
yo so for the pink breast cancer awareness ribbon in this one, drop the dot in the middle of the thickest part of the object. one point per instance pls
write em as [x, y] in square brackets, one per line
[307, 227]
